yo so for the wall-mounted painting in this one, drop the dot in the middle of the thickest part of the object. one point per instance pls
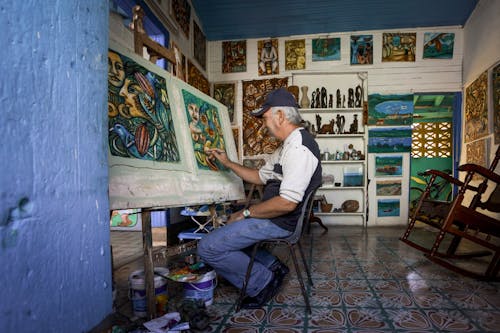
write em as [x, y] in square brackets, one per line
[476, 109]
[179, 69]
[388, 207]
[398, 46]
[390, 110]
[388, 166]
[325, 49]
[361, 49]
[438, 45]
[139, 112]
[199, 46]
[181, 11]
[234, 56]
[268, 56]
[255, 138]
[477, 153]
[225, 93]
[236, 136]
[205, 129]
[495, 81]
[295, 54]
[388, 187]
[389, 139]
[197, 79]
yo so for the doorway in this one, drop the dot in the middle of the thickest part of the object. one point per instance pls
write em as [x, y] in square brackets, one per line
[433, 141]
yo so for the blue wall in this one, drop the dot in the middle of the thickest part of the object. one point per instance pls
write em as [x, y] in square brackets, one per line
[54, 220]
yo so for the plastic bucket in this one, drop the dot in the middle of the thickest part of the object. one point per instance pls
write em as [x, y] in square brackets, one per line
[137, 289]
[203, 289]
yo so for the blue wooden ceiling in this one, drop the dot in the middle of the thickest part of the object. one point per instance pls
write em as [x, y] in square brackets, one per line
[239, 19]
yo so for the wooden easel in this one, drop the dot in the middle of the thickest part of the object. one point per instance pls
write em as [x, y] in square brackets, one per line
[155, 51]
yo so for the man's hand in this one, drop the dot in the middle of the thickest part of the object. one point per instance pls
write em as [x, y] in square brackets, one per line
[236, 216]
[218, 154]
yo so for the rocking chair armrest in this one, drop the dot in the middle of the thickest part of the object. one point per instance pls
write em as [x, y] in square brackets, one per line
[443, 175]
[474, 168]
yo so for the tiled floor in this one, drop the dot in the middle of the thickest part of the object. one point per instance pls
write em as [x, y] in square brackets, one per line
[364, 281]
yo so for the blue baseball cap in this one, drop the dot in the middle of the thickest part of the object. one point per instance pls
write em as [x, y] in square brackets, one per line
[278, 97]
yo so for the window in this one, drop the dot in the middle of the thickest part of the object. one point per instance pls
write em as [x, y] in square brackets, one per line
[431, 140]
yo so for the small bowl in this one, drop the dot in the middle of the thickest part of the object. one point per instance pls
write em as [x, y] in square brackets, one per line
[338, 184]
[326, 208]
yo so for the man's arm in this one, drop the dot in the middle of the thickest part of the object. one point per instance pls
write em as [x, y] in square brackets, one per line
[247, 174]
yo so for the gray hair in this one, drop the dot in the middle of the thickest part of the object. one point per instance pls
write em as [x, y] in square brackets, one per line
[291, 114]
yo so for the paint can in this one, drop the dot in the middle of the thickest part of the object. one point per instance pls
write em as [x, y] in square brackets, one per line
[137, 289]
[202, 289]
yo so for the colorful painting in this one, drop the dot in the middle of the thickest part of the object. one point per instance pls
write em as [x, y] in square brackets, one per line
[495, 81]
[139, 114]
[225, 93]
[179, 69]
[126, 219]
[181, 11]
[205, 128]
[234, 56]
[256, 141]
[389, 140]
[325, 49]
[236, 137]
[388, 187]
[398, 46]
[438, 45]
[361, 49]
[390, 110]
[268, 56]
[476, 109]
[388, 166]
[388, 207]
[199, 46]
[197, 79]
[295, 54]
[477, 153]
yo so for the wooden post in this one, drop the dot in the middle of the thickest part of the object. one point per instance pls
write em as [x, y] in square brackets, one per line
[147, 243]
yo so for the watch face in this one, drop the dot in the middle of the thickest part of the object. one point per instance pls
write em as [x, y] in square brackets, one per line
[246, 213]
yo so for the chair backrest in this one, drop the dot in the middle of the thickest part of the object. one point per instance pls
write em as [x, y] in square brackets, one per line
[305, 213]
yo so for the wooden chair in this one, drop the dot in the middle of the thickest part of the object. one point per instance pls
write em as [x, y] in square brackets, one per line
[478, 222]
[434, 212]
[292, 242]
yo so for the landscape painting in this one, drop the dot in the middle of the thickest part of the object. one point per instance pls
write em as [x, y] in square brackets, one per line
[390, 110]
[388, 207]
[388, 166]
[388, 187]
[389, 139]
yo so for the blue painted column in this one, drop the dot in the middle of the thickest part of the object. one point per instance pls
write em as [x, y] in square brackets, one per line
[54, 218]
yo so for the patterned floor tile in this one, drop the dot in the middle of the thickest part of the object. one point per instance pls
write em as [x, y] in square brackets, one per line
[366, 282]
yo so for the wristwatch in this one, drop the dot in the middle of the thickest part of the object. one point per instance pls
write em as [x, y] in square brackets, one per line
[246, 213]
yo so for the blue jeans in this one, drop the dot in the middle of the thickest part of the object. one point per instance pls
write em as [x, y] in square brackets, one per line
[227, 250]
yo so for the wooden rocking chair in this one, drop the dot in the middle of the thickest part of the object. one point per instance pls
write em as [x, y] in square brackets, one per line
[478, 222]
[434, 212]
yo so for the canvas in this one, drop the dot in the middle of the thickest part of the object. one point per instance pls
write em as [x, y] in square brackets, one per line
[389, 139]
[390, 110]
[361, 49]
[199, 46]
[181, 12]
[398, 46]
[476, 109]
[325, 49]
[438, 45]
[225, 93]
[295, 54]
[234, 56]
[268, 58]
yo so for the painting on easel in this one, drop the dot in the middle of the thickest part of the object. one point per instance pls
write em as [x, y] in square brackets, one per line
[205, 128]
[140, 118]
[154, 160]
